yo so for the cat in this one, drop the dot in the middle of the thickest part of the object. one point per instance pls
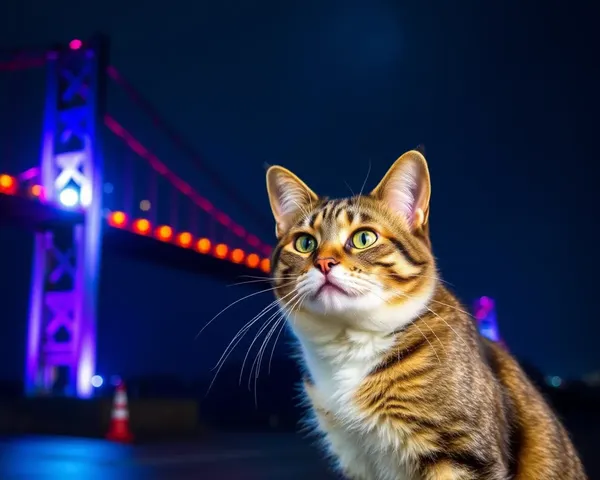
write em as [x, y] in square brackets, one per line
[398, 379]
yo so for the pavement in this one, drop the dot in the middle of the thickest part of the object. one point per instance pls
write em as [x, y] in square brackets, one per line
[268, 456]
[223, 457]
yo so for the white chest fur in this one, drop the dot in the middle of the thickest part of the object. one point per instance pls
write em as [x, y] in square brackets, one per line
[363, 448]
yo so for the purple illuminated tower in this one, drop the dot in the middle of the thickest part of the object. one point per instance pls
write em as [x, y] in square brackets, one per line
[61, 345]
[485, 314]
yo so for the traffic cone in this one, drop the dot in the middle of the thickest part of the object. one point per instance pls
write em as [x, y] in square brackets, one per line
[118, 430]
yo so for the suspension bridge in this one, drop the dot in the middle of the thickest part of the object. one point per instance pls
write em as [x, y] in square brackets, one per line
[78, 200]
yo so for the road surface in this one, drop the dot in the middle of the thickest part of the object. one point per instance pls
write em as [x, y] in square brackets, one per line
[225, 457]
[217, 457]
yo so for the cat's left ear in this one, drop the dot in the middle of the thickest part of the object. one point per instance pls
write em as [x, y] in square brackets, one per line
[406, 189]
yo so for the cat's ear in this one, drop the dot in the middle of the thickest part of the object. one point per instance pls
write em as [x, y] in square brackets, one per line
[288, 195]
[406, 189]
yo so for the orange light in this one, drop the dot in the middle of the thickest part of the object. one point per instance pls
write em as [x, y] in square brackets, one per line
[265, 265]
[8, 184]
[237, 256]
[221, 250]
[203, 245]
[184, 239]
[117, 219]
[252, 260]
[141, 226]
[36, 191]
[164, 233]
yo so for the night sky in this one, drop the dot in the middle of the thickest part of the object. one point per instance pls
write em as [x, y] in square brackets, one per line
[502, 94]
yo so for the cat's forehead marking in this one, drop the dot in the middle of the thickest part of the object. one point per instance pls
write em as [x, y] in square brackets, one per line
[335, 218]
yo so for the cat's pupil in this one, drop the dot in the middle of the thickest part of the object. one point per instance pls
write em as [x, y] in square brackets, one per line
[363, 238]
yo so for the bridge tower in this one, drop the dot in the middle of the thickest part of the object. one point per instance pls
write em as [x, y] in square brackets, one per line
[485, 314]
[61, 340]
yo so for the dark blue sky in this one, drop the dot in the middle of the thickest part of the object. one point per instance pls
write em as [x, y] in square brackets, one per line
[503, 95]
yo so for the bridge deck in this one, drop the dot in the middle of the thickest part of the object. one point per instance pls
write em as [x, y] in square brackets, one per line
[35, 216]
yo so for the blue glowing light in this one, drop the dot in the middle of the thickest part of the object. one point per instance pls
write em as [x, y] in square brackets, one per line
[555, 381]
[485, 314]
[69, 197]
[97, 381]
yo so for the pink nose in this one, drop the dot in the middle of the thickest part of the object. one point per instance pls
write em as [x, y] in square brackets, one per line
[326, 264]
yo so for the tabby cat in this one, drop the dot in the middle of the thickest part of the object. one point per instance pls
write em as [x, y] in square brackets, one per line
[400, 382]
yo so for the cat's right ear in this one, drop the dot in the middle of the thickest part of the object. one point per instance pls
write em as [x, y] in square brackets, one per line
[288, 195]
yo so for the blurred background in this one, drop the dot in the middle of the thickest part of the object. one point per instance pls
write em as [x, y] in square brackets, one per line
[133, 141]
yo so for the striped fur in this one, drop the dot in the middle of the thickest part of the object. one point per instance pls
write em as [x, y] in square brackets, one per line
[399, 381]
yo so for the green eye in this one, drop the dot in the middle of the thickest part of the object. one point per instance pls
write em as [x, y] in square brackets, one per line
[305, 243]
[363, 239]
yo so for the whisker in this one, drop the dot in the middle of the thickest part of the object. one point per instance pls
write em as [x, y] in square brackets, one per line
[236, 302]
[435, 334]
[297, 305]
[358, 203]
[262, 329]
[430, 344]
[258, 359]
[249, 325]
[442, 319]
[350, 188]
[365, 180]
[241, 333]
[245, 282]
[262, 279]
[230, 348]
[454, 308]
[432, 277]
[274, 345]
[259, 277]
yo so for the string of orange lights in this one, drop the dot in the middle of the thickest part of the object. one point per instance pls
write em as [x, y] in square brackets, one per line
[164, 233]
[10, 185]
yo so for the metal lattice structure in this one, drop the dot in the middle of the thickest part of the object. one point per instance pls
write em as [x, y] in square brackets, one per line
[60, 199]
[61, 346]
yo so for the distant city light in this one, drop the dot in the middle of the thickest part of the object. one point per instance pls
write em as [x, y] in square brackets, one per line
[8, 184]
[555, 381]
[221, 250]
[237, 255]
[69, 197]
[117, 219]
[253, 260]
[75, 44]
[142, 226]
[97, 381]
[485, 313]
[145, 205]
[184, 239]
[265, 265]
[203, 245]
[164, 233]
[36, 190]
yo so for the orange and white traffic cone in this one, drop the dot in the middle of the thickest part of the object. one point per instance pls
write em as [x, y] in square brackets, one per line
[118, 430]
